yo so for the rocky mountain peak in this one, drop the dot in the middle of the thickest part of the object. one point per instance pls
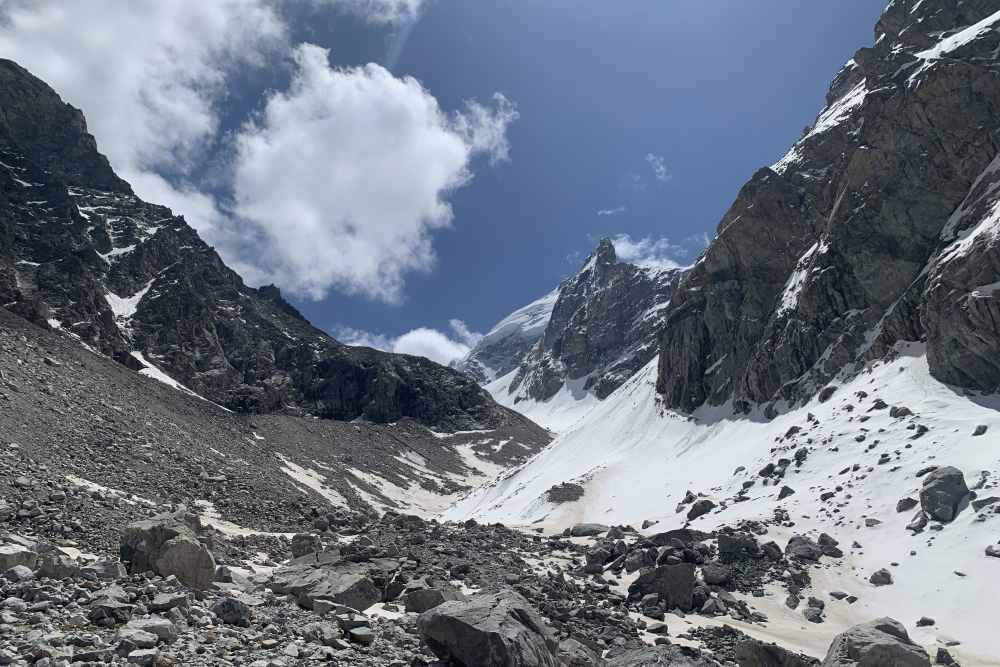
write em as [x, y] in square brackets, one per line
[81, 254]
[603, 257]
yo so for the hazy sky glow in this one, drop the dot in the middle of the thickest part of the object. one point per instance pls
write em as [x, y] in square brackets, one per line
[410, 172]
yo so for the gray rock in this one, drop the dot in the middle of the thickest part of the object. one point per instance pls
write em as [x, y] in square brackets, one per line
[18, 573]
[941, 493]
[665, 656]
[170, 544]
[880, 643]
[496, 630]
[56, 565]
[345, 585]
[734, 543]
[700, 508]
[589, 529]
[326, 634]
[673, 584]
[163, 629]
[575, 654]
[803, 548]
[422, 600]
[104, 570]
[304, 543]
[906, 504]
[232, 611]
[753, 653]
[812, 614]
[918, 523]
[881, 577]
[715, 572]
[15, 554]
[133, 638]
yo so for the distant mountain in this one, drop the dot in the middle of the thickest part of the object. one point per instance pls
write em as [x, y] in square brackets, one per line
[80, 253]
[581, 341]
[880, 225]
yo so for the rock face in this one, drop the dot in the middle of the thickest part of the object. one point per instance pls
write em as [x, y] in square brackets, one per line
[941, 493]
[498, 630]
[878, 226]
[170, 544]
[598, 327]
[672, 584]
[880, 643]
[136, 283]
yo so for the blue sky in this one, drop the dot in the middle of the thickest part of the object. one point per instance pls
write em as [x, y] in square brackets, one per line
[383, 204]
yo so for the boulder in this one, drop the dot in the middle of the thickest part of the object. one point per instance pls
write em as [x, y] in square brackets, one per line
[700, 508]
[420, 601]
[942, 492]
[346, 585]
[879, 643]
[589, 529]
[734, 543]
[672, 584]
[105, 570]
[715, 572]
[163, 629]
[752, 653]
[170, 544]
[881, 577]
[666, 655]
[803, 548]
[232, 612]
[304, 543]
[574, 654]
[497, 630]
[56, 565]
[15, 554]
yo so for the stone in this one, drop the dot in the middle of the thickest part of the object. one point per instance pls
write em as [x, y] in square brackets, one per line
[134, 638]
[786, 491]
[753, 653]
[163, 629]
[803, 548]
[941, 493]
[673, 585]
[700, 508]
[232, 612]
[363, 636]
[589, 529]
[304, 543]
[15, 554]
[170, 544]
[167, 601]
[881, 577]
[491, 630]
[812, 614]
[104, 570]
[906, 504]
[326, 634]
[18, 573]
[344, 585]
[421, 600]
[879, 643]
[575, 654]
[715, 572]
[110, 613]
[665, 655]
[734, 543]
[925, 622]
[55, 565]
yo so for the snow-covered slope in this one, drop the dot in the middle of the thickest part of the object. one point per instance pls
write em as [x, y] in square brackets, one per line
[636, 460]
[501, 350]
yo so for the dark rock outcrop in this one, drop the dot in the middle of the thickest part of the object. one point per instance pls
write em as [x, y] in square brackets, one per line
[80, 253]
[602, 327]
[877, 227]
[498, 630]
[753, 653]
[672, 584]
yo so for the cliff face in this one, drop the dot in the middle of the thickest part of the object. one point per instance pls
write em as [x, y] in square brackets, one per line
[881, 224]
[81, 254]
[602, 327]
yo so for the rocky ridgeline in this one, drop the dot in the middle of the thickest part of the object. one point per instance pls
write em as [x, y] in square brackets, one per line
[404, 591]
[79, 252]
[878, 226]
[603, 327]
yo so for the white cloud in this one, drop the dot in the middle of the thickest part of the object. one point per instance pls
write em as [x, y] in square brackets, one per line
[431, 343]
[648, 251]
[611, 211]
[339, 183]
[659, 171]
[344, 176]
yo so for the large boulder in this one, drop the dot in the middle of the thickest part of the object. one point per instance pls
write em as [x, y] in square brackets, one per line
[497, 630]
[422, 600]
[589, 529]
[942, 492]
[752, 653]
[803, 548]
[672, 584]
[170, 544]
[346, 585]
[12, 555]
[880, 643]
[662, 656]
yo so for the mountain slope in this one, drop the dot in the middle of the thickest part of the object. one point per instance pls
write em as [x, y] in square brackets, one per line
[878, 226]
[80, 253]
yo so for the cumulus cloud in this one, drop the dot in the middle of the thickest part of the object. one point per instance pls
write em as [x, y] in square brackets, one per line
[648, 251]
[659, 171]
[337, 184]
[610, 211]
[425, 342]
[343, 177]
